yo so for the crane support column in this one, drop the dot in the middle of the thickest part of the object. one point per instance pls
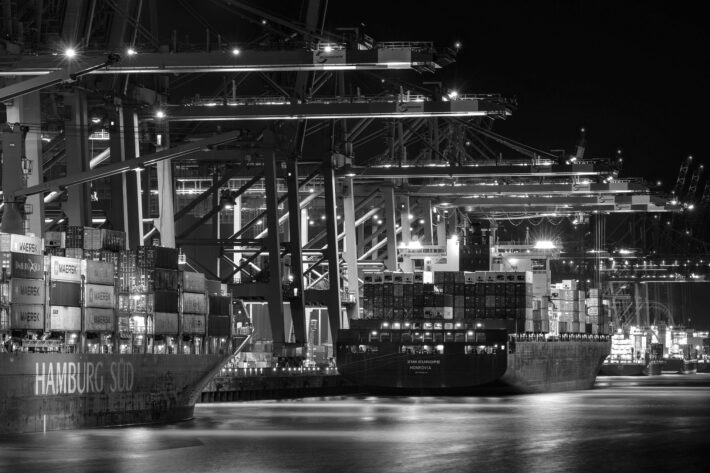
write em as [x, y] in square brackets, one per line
[391, 228]
[166, 193]
[406, 232]
[331, 252]
[273, 246]
[296, 295]
[428, 236]
[350, 245]
[12, 180]
[126, 211]
[78, 205]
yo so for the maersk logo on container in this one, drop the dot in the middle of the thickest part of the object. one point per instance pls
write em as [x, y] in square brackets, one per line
[83, 377]
[27, 247]
[29, 315]
[66, 269]
[60, 268]
[99, 295]
[29, 290]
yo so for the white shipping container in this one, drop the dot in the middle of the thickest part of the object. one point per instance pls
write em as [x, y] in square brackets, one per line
[64, 318]
[21, 244]
[65, 269]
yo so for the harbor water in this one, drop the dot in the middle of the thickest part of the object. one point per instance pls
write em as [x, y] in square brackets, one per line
[624, 424]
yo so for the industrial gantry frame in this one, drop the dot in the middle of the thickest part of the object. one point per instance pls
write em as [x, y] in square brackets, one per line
[285, 193]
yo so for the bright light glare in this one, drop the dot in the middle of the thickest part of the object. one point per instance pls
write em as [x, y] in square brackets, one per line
[70, 52]
[160, 114]
[131, 52]
[236, 51]
[328, 48]
[544, 245]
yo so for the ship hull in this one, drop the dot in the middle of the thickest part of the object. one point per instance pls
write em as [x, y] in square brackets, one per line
[534, 366]
[50, 391]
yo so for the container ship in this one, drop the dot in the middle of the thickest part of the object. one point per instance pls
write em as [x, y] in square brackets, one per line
[469, 332]
[96, 335]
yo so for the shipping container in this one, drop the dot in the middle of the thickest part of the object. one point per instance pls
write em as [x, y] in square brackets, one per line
[65, 293]
[218, 326]
[193, 324]
[98, 272]
[193, 303]
[96, 295]
[14, 243]
[165, 323]
[54, 239]
[66, 319]
[27, 291]
[98, 320]
[192, 281]
[165, 301]
[65, 269]
[77, 253]
[23, 265]
[27, 316]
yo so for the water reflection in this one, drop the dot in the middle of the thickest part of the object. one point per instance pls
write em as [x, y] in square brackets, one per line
[624, 425]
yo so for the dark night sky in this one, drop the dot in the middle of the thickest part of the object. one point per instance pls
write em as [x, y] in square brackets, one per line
[633, 73]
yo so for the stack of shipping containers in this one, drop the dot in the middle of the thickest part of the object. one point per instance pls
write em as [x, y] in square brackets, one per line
[23, 286]
[219, 317]
[193, 308]
[157, 281]
[99, 304]
[574, 311]
[453, 295]
[94, 296]
[64, 298]
[593, 311]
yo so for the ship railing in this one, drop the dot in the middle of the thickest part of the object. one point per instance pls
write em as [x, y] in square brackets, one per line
[279, 371]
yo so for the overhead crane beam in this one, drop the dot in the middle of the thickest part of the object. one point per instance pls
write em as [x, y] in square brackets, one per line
[67, 73]
[337, 110]
[132, 165]
[384, 58]
[555, 170]
[619, 202]
[489, 190]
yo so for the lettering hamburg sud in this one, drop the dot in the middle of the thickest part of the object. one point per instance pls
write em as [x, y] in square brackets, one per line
[53, 379]
[26, 265]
